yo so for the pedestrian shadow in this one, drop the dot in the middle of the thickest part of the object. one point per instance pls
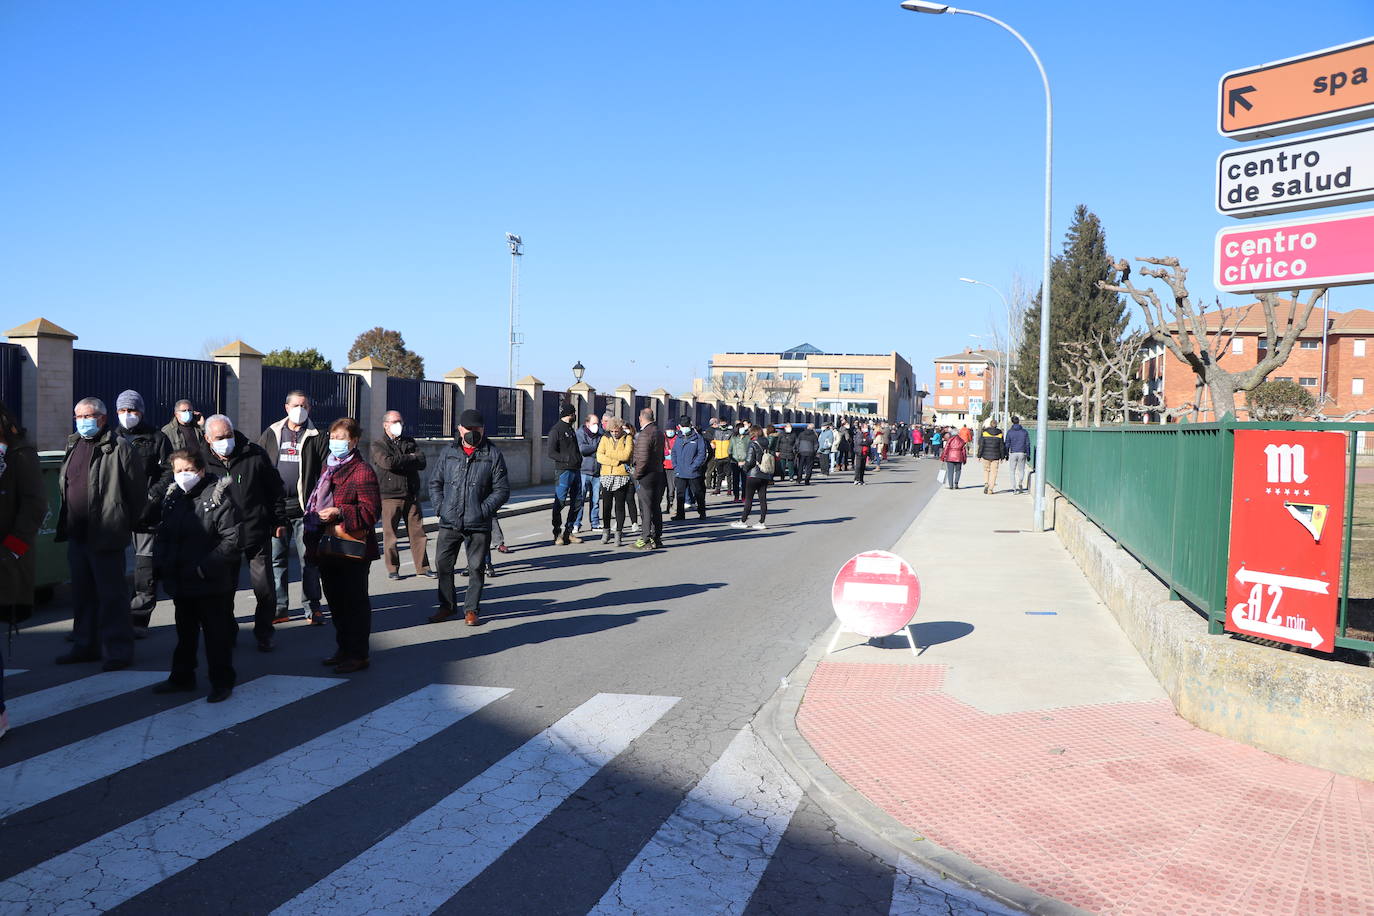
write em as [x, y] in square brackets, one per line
[822, 521]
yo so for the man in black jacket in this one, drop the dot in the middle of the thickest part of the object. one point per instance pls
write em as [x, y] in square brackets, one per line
[398, 462]
[257, 491]
[992, 449]
[567, 464]
[647, 459]
[787, 453]
[467, 488]
[807, 444]
[152, 448]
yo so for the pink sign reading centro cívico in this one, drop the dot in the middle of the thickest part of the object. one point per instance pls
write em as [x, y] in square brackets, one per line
[875, 594]
[1335, 250]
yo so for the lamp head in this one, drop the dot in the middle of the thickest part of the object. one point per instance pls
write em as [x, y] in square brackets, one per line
[578, 369]
[966, 280]
[921, 6]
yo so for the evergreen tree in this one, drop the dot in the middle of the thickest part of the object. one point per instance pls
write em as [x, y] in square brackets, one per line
[310, 358]
[388, 348]
[1080, 310]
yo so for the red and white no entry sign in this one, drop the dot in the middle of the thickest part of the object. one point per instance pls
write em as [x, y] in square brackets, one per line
[875, 594]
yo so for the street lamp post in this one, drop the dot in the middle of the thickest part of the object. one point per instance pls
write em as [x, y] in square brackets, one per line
[1006, 360]
[1042, 412]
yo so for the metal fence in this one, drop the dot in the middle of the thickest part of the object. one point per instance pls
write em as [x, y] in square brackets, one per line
[12, 358]
[160, 380]
[553, 401]
[501, 409]
[599, 404]
[425, 405]
[332, 394]
[1163, 492]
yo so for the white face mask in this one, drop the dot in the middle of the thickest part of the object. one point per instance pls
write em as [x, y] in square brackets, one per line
[186, 480]
[184, 416]
[223, 447]
[394, 429]
[298, 414]
[129, 420]
[594, 427]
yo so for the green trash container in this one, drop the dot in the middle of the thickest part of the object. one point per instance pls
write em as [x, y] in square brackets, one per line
[51, 556]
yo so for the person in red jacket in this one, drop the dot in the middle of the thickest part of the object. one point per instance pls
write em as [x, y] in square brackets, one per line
[954, 454]
[669, 440]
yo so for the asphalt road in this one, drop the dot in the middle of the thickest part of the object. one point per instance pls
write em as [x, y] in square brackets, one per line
[598, 757]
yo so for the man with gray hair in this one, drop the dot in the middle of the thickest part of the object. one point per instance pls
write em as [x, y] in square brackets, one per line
[103, 491]
[256, 488]
[155, 450]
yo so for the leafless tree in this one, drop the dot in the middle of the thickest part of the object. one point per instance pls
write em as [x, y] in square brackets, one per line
[1184, 329]
[735, 386]
[780, 393]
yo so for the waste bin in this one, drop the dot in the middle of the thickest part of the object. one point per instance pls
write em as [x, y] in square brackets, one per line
[51, 556]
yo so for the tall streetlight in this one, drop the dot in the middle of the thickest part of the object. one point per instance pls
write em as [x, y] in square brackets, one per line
[514, 341]
[1006, 359]
[1042, 411]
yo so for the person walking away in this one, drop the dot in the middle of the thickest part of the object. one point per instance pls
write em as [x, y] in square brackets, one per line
[758, 474]
[845, 448]
[467, 488]
[397, 462]
[1018, 454]
[690, 457]
[23, 506]
[992, 450]
[808, 443]
[953, 453]
[588, 438]
[567, 464]
[258, 495]
[297, 450]
[966, 434]
[613, 455]
[340, 515]
[918, 441]
[197, 559]
[787, 451]
[153, 448]
[825, 443]
[934, 442]
[878, 448]
[718, 460]
[861, 451]
[185, 431]
[739, 453]
[104, 489]
[669, 477]
[647, 458]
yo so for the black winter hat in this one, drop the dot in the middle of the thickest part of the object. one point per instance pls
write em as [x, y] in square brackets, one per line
[471, 418]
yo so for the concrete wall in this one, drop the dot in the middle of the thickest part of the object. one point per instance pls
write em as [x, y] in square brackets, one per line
[1308, 709]
[516, 453]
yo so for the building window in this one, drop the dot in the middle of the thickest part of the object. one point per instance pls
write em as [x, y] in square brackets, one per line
[961, 383]
[792, 376]
[976, 384]
[961, 399]
[1307, 344]
[1282, 378]
[1359, 348]
[947, 367]
[1237, 345]
[765, 376]
[852, 382]
[946, 399]
[1357, 386]
[946, 383]
[1307, 382]
[733, 381]
[823, 378]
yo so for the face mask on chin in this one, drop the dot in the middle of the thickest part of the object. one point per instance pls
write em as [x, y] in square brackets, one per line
[129, 420]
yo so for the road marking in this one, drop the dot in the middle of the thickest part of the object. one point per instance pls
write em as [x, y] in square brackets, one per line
[1250, 576]
[709, 855]
[41, 704]
[113, 868]
[918, 892]
[424, 863]
[49, 775]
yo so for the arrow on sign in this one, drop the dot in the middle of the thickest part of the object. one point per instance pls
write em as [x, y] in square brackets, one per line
[1237, 95]
[1250, 577]
[1277, 631]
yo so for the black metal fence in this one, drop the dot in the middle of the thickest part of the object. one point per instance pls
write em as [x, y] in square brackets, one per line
[553, 401]
[501, 409]
[161, 380]
[424, 405]
[599, 404]
[12, 358]
[332, 394]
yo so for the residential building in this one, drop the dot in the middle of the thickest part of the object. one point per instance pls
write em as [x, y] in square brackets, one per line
[880, 385]
[964, 384]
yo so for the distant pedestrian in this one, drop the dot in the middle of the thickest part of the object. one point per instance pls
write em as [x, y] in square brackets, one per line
[23, 507]
[588, 438]
[787, 451]
[826, 443]
[878, 449]
[719, 464]
[954, 453]
[758, 474]
[918, 441]
[966, 434]
[808, 444]
[862, 450]
[1018, 454]
[185, 430]
[992, 450]
[739, 453]
[845, 448]
[613, 455]
[669, 474]
[153, 449]
[648, 473]
[690, 457]
[567, 464]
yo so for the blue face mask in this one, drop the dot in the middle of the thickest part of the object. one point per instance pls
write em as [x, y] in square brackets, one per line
[87, 427]
[338, 447]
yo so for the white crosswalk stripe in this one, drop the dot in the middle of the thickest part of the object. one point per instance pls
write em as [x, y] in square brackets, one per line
[709, 855]
[39, 705]
[111, 869]
[431, 858]
[49, 775]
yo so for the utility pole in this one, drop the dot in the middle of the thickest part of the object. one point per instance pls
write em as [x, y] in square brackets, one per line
[515, 339]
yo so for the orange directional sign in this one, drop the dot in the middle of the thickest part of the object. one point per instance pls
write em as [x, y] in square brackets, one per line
[1300, 93]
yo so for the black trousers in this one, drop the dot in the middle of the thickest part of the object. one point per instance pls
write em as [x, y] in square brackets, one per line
[264, 588]
[697, 487]
[614, 502]
[451, 540]
[100, 603]
[755, 486]
[651, 488]
[807, 465]
[860, 463]
[736, 481]
[213, 615]
[345, 588]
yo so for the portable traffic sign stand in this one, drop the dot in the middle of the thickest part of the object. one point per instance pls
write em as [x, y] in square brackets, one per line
[875, 594]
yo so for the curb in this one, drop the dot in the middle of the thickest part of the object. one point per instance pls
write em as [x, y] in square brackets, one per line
[863, 822]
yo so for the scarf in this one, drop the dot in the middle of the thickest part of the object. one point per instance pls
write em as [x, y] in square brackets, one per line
[322, 496]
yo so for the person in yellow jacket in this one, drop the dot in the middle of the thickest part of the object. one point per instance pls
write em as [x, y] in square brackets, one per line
[613, 455]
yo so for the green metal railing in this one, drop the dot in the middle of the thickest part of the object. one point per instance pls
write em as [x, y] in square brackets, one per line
[1163, 492]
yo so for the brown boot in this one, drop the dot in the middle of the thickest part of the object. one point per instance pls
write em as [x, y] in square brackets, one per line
[470, 618]
[441, 616]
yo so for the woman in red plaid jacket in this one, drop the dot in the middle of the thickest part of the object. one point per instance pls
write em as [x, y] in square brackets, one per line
[339, 521]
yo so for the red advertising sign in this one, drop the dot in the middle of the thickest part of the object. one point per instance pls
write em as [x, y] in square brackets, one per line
[1287, 522]
[875, 594]
[1299, 254]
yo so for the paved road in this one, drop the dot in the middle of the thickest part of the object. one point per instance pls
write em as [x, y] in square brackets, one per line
[587, 750]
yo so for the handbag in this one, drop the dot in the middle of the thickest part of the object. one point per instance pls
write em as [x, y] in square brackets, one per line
[342, 545]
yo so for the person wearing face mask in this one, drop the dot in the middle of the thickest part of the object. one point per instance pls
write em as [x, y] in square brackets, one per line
[297, 450]
[468, 486]
[197, 559]
[647, 459]
[670, 485]
[185, 430]
[340, 515]
[566, 455]
[398, 462]
[23, 506]
[103, 485]
[153, 448]
[613, 455]
[787, 454]
[739, 455]
[588, 438]
[690, 464]
[257, 492]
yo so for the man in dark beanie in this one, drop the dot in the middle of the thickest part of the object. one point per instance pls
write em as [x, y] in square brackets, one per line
[689, 463]
[567, 464]
[153, 449]
[467, 488]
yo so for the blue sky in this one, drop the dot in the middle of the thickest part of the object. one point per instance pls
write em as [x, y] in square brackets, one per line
[688, 178]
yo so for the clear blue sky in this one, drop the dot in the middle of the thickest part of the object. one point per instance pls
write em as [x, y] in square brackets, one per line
[688, 177]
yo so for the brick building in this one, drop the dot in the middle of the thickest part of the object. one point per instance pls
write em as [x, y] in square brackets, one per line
[964, 383]
[1346, 376]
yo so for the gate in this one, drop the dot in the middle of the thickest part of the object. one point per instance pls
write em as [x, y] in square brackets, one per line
[332, 394]
[161, 380]
[12, 358]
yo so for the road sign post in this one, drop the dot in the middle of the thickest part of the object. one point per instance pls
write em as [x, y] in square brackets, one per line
[1330, 86]
[1323, 170]
[875, 594]
[1299, 254]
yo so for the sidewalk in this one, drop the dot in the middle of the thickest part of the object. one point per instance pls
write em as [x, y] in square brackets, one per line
[1030, 740]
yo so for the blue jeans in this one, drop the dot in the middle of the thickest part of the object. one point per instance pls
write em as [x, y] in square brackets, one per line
[310, 573]
[565, 495]
[591, 496]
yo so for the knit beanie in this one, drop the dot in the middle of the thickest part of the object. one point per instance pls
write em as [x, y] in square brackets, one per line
[130, 400]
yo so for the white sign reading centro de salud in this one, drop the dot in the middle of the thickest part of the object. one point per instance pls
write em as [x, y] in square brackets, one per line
[1322, 170]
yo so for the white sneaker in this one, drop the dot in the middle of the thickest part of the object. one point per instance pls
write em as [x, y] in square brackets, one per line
[759, 526]
[740, 525]
[634, 529]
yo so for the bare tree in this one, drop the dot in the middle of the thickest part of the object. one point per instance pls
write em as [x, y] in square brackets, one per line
[210, 344]
[1184, 328]
[780, 393]
[735, 386]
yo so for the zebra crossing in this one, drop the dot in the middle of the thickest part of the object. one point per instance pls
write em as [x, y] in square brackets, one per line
[708, 856]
